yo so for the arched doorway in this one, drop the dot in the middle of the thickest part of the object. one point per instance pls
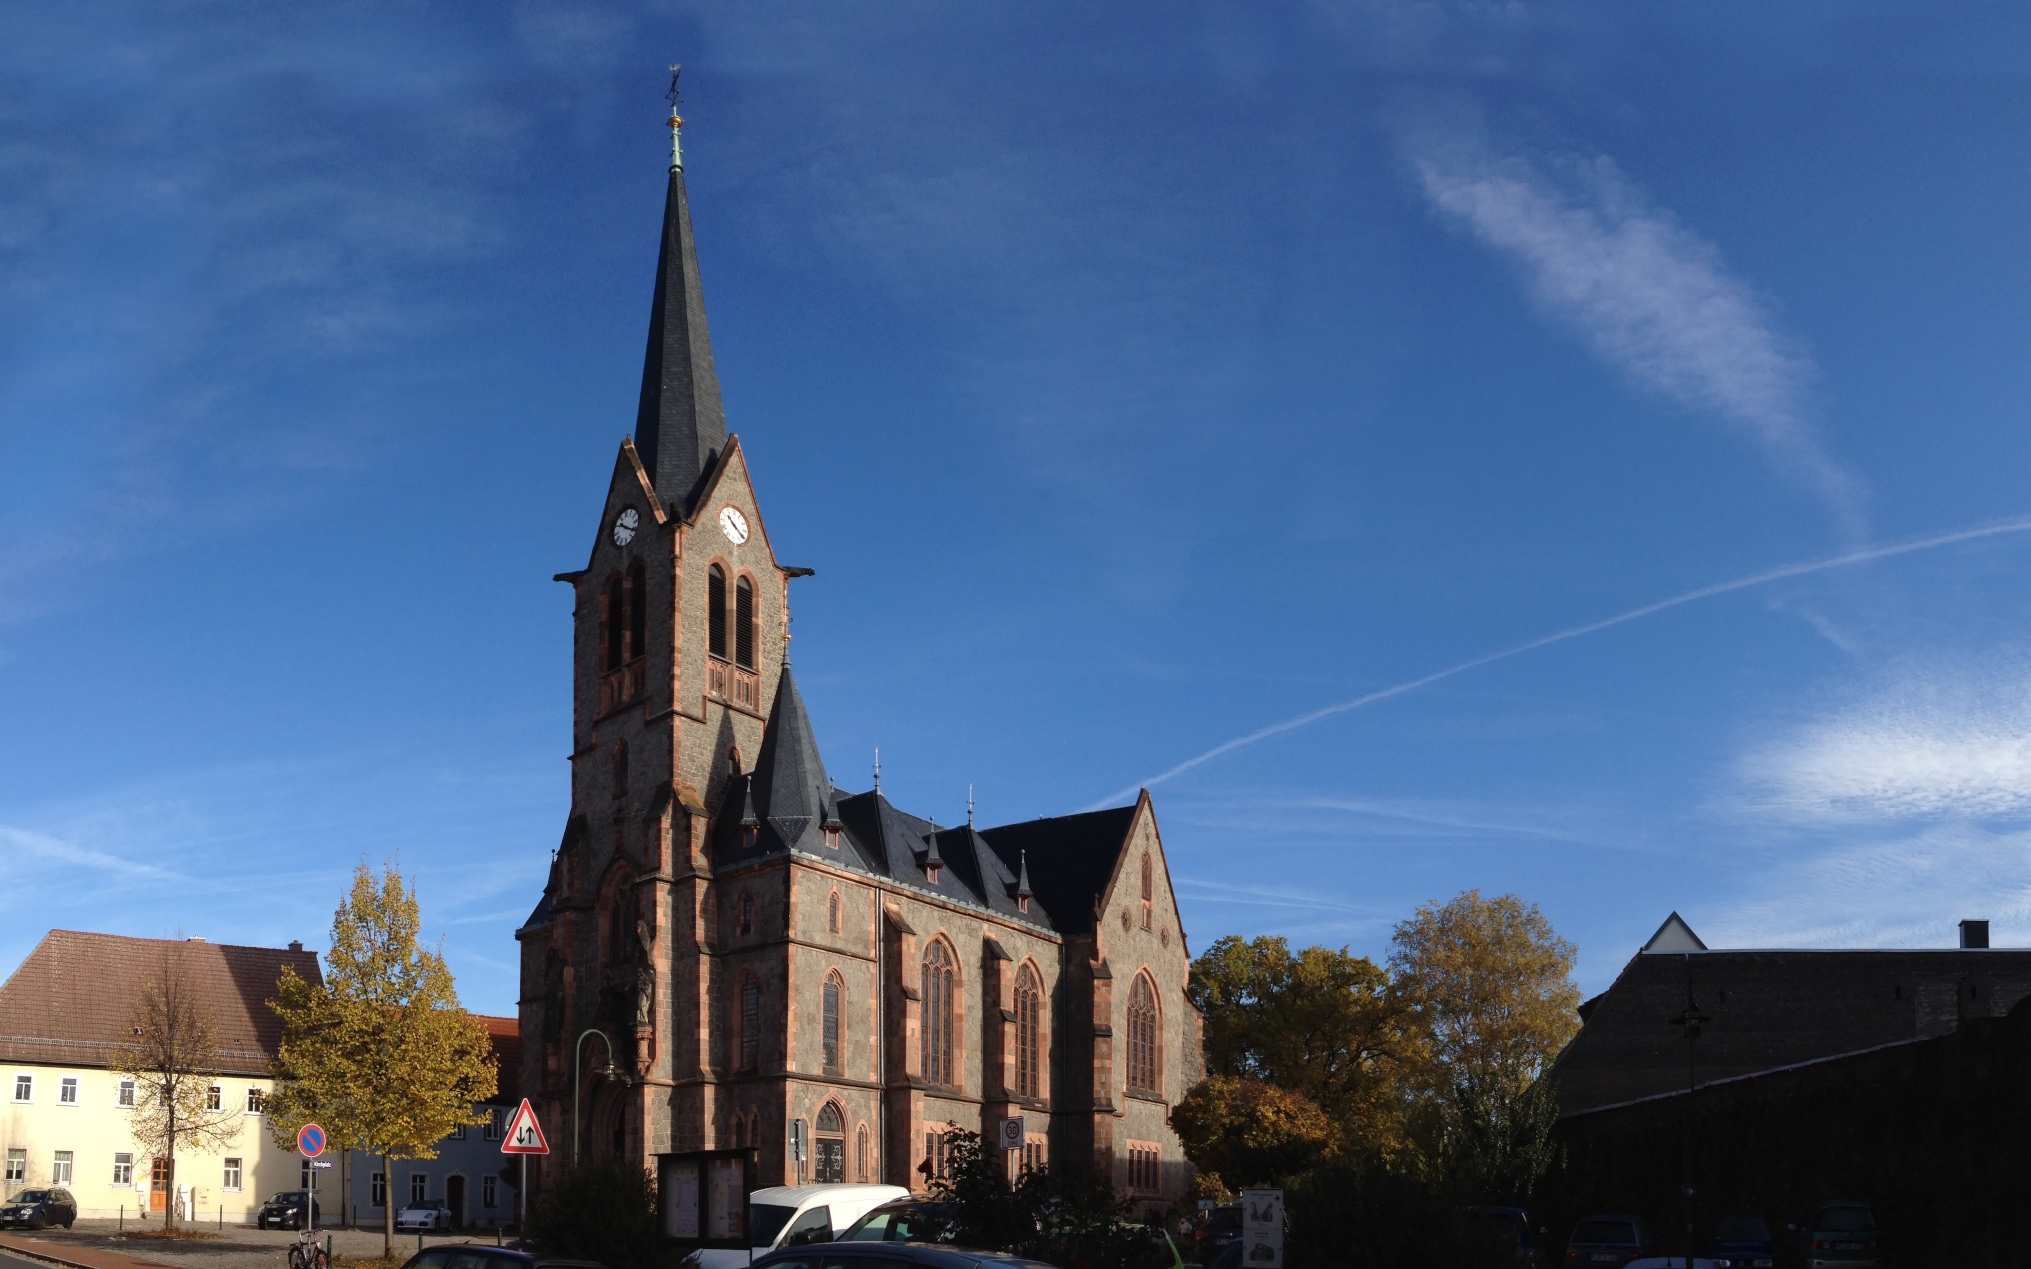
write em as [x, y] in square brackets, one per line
[830, 1146]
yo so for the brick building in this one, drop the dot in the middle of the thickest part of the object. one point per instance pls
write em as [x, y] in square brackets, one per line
[778, 960]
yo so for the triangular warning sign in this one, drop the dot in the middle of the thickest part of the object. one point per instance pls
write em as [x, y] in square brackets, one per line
[525, 1135]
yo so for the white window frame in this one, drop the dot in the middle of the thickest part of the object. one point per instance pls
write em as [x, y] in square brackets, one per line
[17, 1166]
[458, 1133]
[125, 1094]
[257, 1100]
[60, 1167]
[123, 1170]
[491, 1130]
[215, 1097]
[67, 1090]
[490, 1192]
[377, 1190]
[419, 1187]
[232, 1176]
[24, 1087]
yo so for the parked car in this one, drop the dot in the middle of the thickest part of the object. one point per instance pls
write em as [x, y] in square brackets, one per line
[480, 1256]
[888, 1256]
[285, 1211]
[793, 1215]
[1610, 1238]
[426, 1216]
[39, 1209]
[1229, 1257]
[1842, 1235]
[1742, 1241]
[911, 1220]
[1220, 1229]
[1508, 1231]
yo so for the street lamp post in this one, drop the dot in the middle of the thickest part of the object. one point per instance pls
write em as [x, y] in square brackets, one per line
[609, 1073]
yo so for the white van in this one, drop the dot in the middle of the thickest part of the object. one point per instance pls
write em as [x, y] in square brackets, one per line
[790, 1215]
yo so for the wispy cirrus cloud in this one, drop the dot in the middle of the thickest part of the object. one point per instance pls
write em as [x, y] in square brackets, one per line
[1924, 742]
[1645, 292]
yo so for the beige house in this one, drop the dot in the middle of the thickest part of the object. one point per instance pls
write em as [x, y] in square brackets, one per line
[66, 1117]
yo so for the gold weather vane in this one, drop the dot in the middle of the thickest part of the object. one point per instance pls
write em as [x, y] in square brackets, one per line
[676, 120]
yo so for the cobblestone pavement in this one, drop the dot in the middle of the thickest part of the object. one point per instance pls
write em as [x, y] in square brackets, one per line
[237, 1246]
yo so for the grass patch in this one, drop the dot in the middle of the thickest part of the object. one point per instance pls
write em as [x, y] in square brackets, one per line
[368, 1262]
[182, 1233]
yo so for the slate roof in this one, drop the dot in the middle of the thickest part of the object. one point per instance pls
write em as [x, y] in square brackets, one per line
[786, 799]
[680, 425]
[1769, 1009]
[70, 1000]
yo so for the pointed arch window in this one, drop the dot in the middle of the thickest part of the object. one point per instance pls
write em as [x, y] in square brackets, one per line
[939, 972]
[638, 611]
[1143, 1070]
[832, 914]
[1148, 889]
[1029, 1011]
[715, 611]
[744, 623]
[620, 768]
[861, 1159]
[748, 1034]
[833, 1015]
[613, 627]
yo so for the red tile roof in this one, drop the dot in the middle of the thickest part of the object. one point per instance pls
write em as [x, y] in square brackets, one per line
[506, 1034]
[70, 1001]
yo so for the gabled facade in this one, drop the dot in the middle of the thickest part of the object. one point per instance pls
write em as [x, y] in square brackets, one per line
[777, 960]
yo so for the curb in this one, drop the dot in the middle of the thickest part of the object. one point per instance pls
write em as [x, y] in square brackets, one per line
[15, 1249]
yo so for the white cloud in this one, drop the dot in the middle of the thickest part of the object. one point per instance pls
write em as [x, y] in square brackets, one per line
[1904, 892]
[1645, 292]
[1925, 743]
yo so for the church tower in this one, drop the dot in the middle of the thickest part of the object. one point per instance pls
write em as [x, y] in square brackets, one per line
[678, 630]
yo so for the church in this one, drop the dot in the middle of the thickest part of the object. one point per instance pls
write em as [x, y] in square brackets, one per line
[731, 951]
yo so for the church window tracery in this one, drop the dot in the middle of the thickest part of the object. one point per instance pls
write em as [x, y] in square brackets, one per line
[744, 914]
[832, 914]
[1148, 889]
[1143, 1074]
[1029, 1011]
[833, 1016]
[940, 1066]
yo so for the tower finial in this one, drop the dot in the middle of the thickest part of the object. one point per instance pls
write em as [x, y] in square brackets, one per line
[676, 120]
[877, 768]
[969, 806]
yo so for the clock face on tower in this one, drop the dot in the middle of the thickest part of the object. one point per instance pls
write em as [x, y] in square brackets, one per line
[733, 524]
[625, 524]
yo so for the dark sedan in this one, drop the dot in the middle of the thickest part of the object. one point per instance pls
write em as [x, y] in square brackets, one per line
[285, 1211]
[1741, 1241]
[483, 1256]
[39, 1209]
[889, 1256]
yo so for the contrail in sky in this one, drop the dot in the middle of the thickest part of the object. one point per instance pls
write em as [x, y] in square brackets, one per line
[1997, 529]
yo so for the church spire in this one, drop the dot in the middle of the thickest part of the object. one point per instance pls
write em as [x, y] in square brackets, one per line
[680, 427]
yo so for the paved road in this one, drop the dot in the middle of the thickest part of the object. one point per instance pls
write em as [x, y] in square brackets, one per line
[16, 1262]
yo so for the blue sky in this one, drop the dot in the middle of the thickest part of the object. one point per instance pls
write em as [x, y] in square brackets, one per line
[1138, 379]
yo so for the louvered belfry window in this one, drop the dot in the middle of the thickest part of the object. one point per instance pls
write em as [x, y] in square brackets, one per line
[937, 998]
[1142, 1037]
[744, 623]
[715, 612]
[638, 612]
[613, 626]
[750, 1024]
[1029, 1010]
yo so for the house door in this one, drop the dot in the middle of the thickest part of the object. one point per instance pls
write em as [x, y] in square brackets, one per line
[161, 1180]
[454, 1198]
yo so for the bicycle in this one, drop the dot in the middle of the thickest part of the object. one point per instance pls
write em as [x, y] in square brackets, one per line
[308, 1253]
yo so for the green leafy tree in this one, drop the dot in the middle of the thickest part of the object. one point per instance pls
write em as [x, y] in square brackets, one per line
[1321, 1023]
[1250, 1132]
[171, 1053]
[381, 1055]
[1065, 1218]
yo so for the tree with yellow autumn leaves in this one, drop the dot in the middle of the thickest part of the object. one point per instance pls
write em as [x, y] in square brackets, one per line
[1429, 1066]
[380, 1055]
